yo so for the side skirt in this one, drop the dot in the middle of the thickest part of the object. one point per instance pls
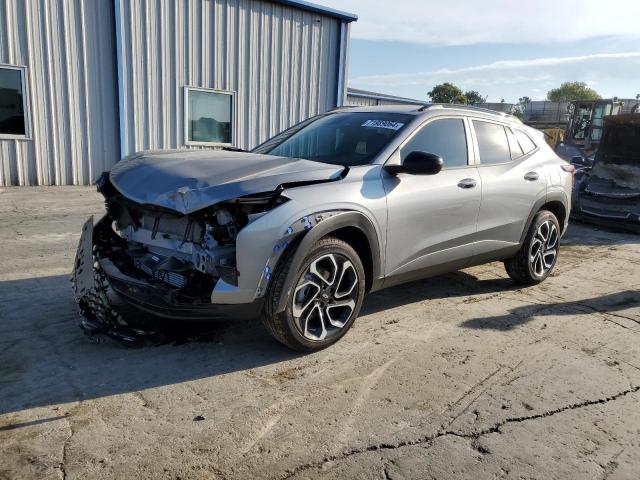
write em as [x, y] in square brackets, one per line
[435, 270]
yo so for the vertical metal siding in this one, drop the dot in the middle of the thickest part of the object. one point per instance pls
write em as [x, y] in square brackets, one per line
[280, 61]
[361, 101]
[68, 50]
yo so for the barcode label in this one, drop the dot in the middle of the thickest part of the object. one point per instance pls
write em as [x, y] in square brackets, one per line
[383, 124]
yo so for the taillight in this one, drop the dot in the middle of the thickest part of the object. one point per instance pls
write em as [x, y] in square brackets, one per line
[568, 168]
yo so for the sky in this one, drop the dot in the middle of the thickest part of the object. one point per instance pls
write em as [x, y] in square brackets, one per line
[505, 49]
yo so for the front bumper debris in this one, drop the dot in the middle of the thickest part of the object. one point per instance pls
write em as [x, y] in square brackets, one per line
[127, 309]
[99, 315]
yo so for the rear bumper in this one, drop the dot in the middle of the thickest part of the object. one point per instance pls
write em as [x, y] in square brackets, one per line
[113, 302]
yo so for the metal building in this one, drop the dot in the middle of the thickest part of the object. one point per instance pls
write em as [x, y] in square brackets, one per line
[364, 98]
[84, 83]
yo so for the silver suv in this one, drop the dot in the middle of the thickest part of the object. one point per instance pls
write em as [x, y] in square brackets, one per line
[299, 229]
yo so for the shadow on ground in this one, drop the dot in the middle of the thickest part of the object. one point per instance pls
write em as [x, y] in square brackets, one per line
[46, 360]
[580, 233]
[520, 315]
[451, 285]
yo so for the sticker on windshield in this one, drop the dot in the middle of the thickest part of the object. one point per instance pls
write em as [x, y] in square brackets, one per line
[383, 124]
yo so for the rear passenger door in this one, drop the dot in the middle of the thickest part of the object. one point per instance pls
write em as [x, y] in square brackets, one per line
[511, 183]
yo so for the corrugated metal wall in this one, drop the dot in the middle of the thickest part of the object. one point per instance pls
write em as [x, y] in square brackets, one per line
[68, 49]
[357, 101]
[281, 62]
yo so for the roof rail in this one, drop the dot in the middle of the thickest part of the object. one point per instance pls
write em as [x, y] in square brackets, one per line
[461, 106]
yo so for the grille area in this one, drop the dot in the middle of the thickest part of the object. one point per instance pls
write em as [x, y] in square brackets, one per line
[168, 270]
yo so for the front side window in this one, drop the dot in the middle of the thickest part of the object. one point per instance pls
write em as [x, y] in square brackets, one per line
[209, 116]
[12, 102]
[492, 142]
[445, 138]
[343, 138]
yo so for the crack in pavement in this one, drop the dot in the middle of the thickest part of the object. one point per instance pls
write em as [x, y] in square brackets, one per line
[428, 440]
[613, 314]
[62, 466]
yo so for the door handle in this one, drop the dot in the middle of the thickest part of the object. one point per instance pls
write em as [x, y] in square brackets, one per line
[531, 176]
[467, 183]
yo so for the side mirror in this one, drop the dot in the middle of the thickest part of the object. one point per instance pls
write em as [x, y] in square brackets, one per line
[418, 163]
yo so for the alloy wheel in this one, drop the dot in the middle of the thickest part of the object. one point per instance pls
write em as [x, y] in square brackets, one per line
[544, 248]
[325, 297]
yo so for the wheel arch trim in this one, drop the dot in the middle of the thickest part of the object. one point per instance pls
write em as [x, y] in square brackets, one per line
[330, 222]
[550, 197]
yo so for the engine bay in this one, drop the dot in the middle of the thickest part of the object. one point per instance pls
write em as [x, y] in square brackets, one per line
[185, 254]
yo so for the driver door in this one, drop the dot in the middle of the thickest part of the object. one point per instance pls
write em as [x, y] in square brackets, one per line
[432, 219]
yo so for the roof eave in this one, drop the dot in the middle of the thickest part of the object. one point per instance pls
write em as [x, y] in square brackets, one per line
[312, 7]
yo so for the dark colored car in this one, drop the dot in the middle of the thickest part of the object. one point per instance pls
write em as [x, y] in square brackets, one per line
[609, 193]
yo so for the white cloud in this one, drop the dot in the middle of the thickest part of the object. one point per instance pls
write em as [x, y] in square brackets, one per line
[466, 22]
[534, 75]
[502, 67]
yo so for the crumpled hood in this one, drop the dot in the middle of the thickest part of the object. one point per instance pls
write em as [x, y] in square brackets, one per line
[189, 180]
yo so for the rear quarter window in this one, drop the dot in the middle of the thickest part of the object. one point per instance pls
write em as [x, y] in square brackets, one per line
[492, 140]
[525, 142]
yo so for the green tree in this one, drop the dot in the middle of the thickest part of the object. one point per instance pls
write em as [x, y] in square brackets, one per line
[569, 91]
[518, 109]
[474, 97]
[447, 93]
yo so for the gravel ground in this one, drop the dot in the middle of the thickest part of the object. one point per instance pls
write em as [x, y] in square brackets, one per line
[460, 376]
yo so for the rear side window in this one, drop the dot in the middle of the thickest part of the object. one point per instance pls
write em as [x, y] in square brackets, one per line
[525, 142]
[444, 137]
[492, 142]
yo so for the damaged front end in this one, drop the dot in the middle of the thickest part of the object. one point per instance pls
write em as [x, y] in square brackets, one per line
[609, 193]
[140, 262]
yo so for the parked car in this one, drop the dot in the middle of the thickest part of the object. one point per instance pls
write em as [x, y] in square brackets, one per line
[301, 228]
[609, 193]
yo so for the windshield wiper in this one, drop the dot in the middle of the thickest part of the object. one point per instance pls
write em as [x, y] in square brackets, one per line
[233, 149]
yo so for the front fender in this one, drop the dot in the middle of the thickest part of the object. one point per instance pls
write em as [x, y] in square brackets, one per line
[323, 224]
[261, 244]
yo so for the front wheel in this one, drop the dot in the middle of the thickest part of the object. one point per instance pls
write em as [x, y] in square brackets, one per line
[539, 251]
[323, 301]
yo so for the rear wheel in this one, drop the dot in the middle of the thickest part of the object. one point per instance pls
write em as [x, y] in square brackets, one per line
[324, 300]
[539, 252]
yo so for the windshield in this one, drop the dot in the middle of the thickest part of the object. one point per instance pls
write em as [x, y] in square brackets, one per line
[345, 138]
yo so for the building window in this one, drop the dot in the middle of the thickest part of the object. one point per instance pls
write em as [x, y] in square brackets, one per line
[208, 116]
[13, 122]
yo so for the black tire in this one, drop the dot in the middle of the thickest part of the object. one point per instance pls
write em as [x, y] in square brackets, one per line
[282, 326]
[520, 267]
